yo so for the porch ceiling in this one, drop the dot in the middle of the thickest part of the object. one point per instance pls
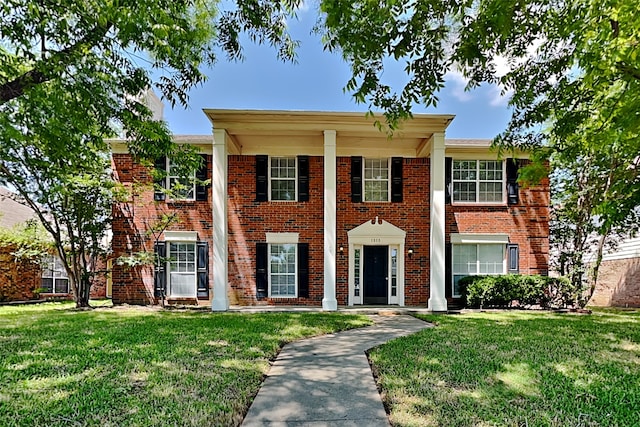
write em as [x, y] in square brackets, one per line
[302, 132]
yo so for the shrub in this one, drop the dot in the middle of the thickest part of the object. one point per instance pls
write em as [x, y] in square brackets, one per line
[517, 290]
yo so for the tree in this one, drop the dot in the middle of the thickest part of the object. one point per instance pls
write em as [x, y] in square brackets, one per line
[70, 73]
[572, 76]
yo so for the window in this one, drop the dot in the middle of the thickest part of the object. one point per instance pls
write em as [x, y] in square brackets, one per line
[54, 276]
[478, 181]
[182, 266]
[376, 180]
[192, 186]
[182, 269]
[282, 270]
[182, 187]
[283, 178]
[478, 259]
[356, 272]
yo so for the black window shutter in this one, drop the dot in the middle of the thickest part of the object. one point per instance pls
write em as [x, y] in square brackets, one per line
[303, 178]
[513, 255]
[512, 181]
[356, 179]
[203, 269]
[448, 271]
[396, 179]
[160, 273]
[201, 174]
[303, 270]
[262, 281]
[262, 174]
[161, 181]
[448, 186]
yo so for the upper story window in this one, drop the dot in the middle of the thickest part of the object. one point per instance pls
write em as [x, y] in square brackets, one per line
[181, 187]
[376, 180]
[192, 186]
[478, 181]
[283, 178]
[54, 276]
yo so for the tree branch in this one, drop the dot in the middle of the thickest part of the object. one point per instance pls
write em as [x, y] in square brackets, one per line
[44, 70]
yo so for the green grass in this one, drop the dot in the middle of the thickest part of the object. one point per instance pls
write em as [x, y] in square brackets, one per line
[515, 369]
[140, 367]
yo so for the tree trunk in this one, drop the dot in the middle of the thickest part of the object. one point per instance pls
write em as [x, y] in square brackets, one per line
[84, 290]
[596, 267]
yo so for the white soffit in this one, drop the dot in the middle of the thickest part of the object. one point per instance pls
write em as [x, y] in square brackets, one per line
[473, 238]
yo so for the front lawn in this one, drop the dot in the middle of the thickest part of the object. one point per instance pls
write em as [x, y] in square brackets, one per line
[515, 369]
[139, 366]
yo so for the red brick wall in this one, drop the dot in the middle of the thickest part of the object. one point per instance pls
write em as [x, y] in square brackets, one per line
[411, 215]
[526, 223]
[131, 224]
[618, 284]
[250, 220]
[18, 278]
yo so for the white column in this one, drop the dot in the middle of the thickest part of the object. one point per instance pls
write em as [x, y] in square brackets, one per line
[329, 302]
[437, 299]
[220, 300]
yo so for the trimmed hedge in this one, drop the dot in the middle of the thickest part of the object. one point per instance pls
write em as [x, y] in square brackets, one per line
[514, 290]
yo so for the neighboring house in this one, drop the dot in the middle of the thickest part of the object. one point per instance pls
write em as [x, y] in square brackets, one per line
[23, 279]
[619, 276]
[321, 208]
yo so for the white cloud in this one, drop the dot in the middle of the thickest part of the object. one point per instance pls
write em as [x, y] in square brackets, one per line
[457, 83]
[498, 97]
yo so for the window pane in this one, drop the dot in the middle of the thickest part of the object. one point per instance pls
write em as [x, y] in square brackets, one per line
[490, 191]
[62, 286]
[464, 259]
[491, 259]
[47, 284]
[282, 270]
[376, 180]
[181, 186]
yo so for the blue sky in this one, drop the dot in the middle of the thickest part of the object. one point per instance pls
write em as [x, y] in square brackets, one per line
[316, 82]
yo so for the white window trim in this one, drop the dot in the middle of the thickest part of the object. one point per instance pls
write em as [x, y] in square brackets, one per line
[477, 202]
[364, 167]
[477, 244]
[168, 183]
[181, 236]
[295, 274]
[295, 178]
[282, 238]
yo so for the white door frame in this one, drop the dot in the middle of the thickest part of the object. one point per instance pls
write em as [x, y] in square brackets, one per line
[375, 233]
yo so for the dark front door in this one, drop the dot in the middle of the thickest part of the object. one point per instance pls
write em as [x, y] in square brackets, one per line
[375, 274]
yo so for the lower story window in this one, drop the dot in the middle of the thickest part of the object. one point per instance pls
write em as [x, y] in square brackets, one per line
[182, 269]
[282, 270]
[476, 259]
[54, 276]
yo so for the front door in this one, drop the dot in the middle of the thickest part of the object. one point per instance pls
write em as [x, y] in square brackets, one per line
[376, 259]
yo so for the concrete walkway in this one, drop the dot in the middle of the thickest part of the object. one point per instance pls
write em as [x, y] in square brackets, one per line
[326, 380]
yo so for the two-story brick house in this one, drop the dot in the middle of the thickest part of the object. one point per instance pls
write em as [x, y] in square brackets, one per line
[322, 208]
